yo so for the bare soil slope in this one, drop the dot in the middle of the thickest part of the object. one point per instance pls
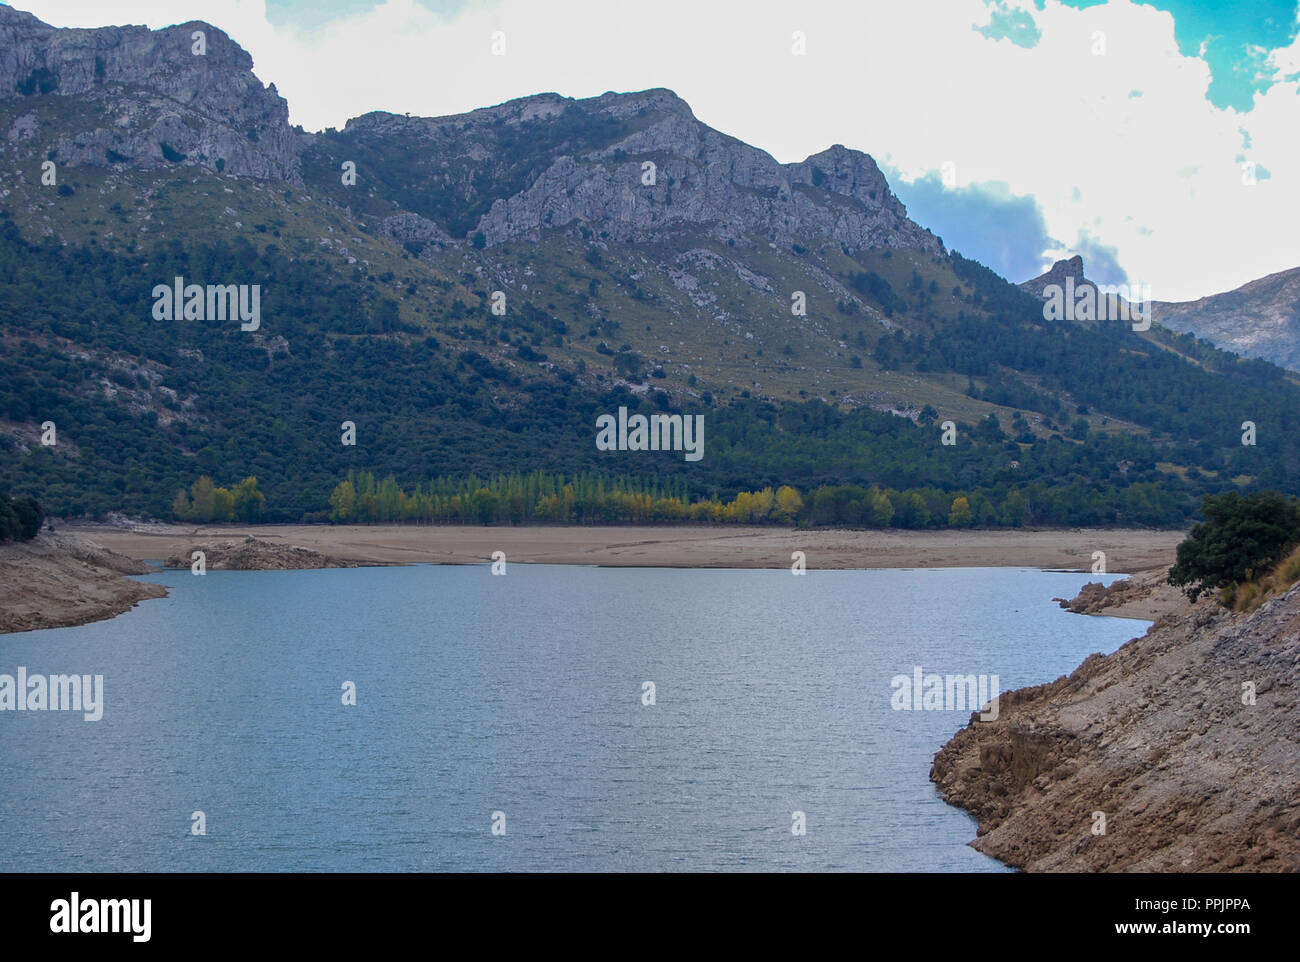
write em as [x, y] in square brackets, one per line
[57, 580]
[1162, 739]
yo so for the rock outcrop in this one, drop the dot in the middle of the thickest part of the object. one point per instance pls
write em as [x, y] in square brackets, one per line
[254, 554]
[154, 100]
[563, 161]
[414, 231]
[1146, 595]
[1175, 753]
[1260, 319]
[1062, 270]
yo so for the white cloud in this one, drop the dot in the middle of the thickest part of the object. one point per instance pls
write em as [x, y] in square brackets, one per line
[1154, 175]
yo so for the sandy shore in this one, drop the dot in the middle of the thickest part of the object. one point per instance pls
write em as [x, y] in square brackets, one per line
[1127, 550]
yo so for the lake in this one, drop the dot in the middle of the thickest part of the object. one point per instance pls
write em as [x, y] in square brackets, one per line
[518, 702]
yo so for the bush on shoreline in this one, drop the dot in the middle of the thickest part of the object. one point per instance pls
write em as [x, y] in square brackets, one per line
[1242, 538]
[20, 518]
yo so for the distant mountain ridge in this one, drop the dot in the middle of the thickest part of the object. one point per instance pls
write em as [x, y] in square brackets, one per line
[1260, 319]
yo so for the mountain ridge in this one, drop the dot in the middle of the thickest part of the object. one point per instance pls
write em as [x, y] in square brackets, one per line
[492, 281]
[210, 109]
[700, 175]
[207, 106]
[1260, 319]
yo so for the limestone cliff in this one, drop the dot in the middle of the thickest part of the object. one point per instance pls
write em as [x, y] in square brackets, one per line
[152, 100]
[548, 161]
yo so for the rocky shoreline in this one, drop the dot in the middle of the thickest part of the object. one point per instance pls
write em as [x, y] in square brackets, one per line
[253, 554]
[1175, 753]
[1146, 595]
[60, 580]
[66, 579]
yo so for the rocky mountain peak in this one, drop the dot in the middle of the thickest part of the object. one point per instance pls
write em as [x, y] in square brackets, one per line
[162, 100]
[855, 174]
[699, 176]
[656, 99]
[638, 165]
[1069, 268]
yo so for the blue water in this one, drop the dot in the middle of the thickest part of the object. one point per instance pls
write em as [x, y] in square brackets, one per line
[521, 694]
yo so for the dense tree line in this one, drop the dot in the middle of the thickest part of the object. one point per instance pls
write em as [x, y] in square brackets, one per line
[542, 498]
[206, 502]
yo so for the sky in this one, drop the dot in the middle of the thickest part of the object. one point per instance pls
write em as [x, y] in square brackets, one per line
[1159, 139]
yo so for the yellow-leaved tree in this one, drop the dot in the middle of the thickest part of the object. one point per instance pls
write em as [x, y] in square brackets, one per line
[343, 501]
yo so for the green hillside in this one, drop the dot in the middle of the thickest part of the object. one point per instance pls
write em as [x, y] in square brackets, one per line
[1085, 423]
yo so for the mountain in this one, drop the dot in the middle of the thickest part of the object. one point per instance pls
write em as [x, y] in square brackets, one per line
[145, 99]
[547, 162]
[1260, 319]
[1070, 269]
[471, 292]
[1077, 297]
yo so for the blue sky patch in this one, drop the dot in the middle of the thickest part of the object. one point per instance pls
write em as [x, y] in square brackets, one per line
[1235, 37]
[1010, 24]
